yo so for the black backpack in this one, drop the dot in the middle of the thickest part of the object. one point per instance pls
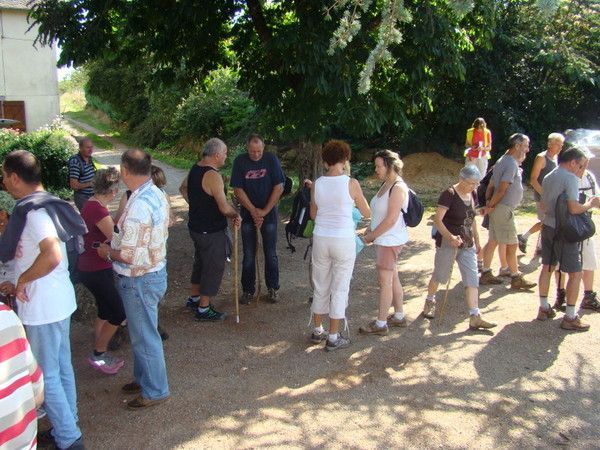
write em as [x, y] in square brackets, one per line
[300, 217]
[572, 227]
[483, 185]
[414, 212]
[74, 249]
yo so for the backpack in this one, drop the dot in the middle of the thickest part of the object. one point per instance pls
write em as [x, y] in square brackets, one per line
[572, 227]
[482, 188]
[414, 212]
[300, 224]
[74, 247]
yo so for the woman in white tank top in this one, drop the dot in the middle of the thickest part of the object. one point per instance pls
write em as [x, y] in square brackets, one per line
[388, 232]
[333, 253]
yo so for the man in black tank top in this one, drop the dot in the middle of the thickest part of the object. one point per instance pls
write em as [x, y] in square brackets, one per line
[204, 191]
[544, 163]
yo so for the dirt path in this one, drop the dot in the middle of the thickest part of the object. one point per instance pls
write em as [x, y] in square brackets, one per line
[259, 384]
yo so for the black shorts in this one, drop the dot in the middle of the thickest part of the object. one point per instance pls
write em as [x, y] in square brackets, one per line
[558, 252]
[211, 250]
[101, 284]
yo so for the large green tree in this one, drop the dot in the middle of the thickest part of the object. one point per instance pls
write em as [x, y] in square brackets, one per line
[305, 85]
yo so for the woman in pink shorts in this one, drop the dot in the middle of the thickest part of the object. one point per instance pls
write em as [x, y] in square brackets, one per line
[388, 232]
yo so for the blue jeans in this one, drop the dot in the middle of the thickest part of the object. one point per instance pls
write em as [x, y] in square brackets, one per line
[269, 242]
[140, 297]
[51, 347]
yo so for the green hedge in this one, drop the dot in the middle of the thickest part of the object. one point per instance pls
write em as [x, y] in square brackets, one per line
[52, 147]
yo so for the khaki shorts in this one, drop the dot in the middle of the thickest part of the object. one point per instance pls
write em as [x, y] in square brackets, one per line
[502, 225]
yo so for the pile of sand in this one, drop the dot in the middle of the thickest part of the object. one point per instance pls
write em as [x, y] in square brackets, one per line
[430, 173]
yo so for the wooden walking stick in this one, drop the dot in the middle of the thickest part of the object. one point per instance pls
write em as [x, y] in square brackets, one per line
[443, 308]
[236, 290]
[257, 250]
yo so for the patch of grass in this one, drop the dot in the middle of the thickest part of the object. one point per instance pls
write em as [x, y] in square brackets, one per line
[72, 102]
[175, 161]
[96, 140]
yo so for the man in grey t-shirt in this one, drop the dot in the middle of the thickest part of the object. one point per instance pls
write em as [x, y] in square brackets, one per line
[564, 179]
[507, 191]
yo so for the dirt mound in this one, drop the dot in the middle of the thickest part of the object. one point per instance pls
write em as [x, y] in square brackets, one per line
[429, 173]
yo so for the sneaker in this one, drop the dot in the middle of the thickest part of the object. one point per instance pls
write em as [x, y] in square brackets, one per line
[272, 295]
[561, 299]
[372, 328]
[545, 314]
[429, 309]
[504, 273]
[392, 321]
[489, 278]
[317, 338]
[574, 324]
[341, 342]
[246, 298]
[521, 284]
[476, 323]
[210, 315]
[590, 302]
[105, 363]
[522, 243]
[191, 303]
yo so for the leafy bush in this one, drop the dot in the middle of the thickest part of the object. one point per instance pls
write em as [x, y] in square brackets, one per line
[52, 147]
[218, 108]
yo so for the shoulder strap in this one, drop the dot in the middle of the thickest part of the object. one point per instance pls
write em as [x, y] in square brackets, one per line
[591, 181]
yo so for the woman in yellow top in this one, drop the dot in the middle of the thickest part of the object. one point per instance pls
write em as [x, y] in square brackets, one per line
[478, 145]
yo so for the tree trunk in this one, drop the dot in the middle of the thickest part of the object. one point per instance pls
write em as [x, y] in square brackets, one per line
[308, 160]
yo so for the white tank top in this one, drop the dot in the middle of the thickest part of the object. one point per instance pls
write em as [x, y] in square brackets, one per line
[398, 234]
[334, 207]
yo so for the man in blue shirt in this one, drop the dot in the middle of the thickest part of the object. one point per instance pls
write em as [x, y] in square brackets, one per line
[81, 173]
[257, 180]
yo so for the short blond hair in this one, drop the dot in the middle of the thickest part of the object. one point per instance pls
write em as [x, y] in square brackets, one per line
[556, 137]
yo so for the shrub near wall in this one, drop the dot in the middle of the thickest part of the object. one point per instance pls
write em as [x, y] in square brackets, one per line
[52, 147]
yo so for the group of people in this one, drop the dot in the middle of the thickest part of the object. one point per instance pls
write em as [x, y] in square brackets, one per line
[123, 260]
[123, 264]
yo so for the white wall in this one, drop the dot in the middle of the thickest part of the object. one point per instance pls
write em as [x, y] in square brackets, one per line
[27, 73]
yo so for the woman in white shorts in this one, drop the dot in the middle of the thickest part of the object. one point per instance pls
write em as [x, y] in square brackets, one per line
[334, 249]
[457, 239]
[388, 232]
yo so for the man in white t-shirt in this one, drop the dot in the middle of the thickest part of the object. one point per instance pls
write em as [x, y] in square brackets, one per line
[46, 298]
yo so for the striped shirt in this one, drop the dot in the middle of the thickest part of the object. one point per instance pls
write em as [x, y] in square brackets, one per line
[20, 382]
[83, 172]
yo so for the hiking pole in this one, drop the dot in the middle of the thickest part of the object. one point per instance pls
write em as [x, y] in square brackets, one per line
[443, 308]
[235, 273]
[257, 250]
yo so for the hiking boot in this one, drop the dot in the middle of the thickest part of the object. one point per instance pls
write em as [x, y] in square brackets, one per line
[590, 302]
[141, 402]
[246, 298]
[372, 328]
[519, 283]
[522, 243]
[504, 273]
[574, 324]
[545, 313]
[272, 298]
[561, 298]
[341, 342]
[210, 315]
[392, 321]
[317, 338]
[489, 278]
[429, 309]
[105, 363]
[191, 303]
[476, 322]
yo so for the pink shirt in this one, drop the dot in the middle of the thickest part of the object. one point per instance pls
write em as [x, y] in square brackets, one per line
[89, 261]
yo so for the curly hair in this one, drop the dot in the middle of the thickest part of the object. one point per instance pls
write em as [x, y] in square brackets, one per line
[106, 181]
[335, 151]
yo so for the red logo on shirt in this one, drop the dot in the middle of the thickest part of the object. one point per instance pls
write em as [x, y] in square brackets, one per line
[255, 174]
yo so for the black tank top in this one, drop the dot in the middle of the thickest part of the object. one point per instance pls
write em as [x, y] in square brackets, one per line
[205, 216]
[549, 167]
